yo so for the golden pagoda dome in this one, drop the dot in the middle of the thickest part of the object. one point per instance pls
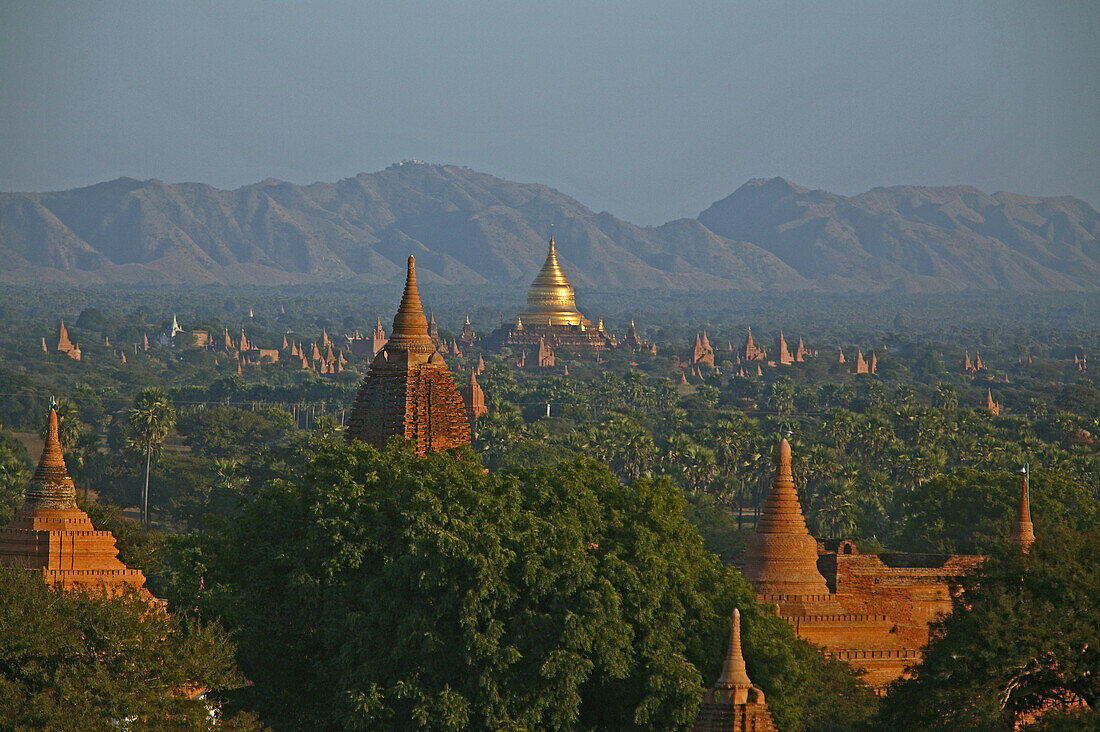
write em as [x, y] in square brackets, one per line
[551, 300]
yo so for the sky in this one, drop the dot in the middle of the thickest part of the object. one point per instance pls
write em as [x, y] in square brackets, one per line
[649, 110]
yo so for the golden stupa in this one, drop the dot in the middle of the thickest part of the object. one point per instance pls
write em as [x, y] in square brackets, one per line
[551, 300]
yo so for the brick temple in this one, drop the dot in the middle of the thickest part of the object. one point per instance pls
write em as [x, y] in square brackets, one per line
[409, 391]
[871, 610]
[52, 535]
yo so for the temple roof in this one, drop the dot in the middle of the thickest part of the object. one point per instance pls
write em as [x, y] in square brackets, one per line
[408, 390]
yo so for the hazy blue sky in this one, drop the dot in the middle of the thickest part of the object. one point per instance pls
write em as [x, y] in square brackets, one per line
[651, 111]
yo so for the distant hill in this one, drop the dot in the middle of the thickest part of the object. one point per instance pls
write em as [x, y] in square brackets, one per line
[467, 227]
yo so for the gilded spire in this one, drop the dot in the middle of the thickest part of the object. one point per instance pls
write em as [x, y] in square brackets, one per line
[734, 673]
[51, 486]
[410, 327]
[551, 297]
[1023, 531]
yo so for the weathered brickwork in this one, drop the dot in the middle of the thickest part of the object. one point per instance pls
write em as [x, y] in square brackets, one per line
[409, 391]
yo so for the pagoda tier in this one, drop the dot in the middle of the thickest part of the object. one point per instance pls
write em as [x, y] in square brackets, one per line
[781, 556]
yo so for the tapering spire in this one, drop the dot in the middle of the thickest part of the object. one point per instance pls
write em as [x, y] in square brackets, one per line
[1023, 531]
[733, 703]
[51, 486]
[734, 673]
[409, 391]
[781, 556]
[410, 326]
[782, 512]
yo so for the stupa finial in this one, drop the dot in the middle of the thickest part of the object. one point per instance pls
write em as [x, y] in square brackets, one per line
[734, 673]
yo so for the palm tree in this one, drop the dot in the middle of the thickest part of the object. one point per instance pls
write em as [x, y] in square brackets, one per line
[150, 419]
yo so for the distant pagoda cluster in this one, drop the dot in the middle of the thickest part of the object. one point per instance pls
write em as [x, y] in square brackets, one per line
[702, 358]
[64, 344]
[324, 355]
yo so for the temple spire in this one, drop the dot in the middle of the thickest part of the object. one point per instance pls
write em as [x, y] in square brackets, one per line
[408, 390]
[50, 534]
[734, 673]
[1023, 531]
[51, 486]
[781, 556]
[410, 326]
[733, 703]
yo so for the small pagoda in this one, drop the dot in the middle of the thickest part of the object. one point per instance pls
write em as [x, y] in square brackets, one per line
[733, 704]
[52, 535]
[1023, 530]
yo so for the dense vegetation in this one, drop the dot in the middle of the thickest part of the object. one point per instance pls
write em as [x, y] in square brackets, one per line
[539, 594]
[535, 598]
[72, 661]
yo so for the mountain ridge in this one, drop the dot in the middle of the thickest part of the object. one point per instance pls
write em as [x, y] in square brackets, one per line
[472, 228]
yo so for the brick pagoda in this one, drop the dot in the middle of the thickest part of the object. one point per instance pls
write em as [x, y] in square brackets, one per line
[871, 610]
[409, 391]
[733, 704]
[1023, 531]
[52, 535]
[474, 398]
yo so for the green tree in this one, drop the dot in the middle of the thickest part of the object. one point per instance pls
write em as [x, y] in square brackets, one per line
[1021, 638]
[781, 397]
[149, 421]
[77, 661]
[14, 475]
[232, 434]
[971, 512]
[947, 397]
[373, 589]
